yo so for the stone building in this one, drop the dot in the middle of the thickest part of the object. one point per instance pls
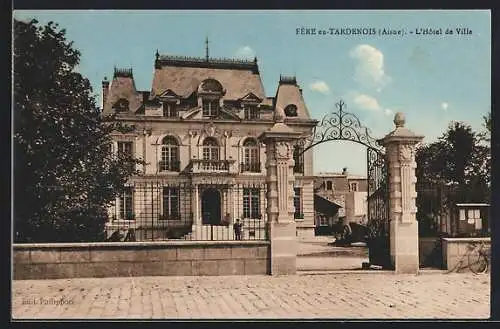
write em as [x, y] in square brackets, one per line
[339, 196]
[197, 131]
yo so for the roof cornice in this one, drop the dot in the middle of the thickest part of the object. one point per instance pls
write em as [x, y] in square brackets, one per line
[222, 63]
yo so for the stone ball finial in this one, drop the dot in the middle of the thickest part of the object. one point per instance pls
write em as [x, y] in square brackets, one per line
[399, 119]
[279, 115]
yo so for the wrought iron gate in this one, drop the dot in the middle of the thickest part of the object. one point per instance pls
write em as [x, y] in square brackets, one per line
[342, 125]
[378, 191]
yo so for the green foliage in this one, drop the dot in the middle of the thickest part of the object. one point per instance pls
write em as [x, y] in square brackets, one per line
[65, 175]
[458, 163]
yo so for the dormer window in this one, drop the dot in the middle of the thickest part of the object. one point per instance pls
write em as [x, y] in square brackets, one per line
[210, 92]
[121, 105]
[169, 110]
[251, 112]
[291, 110]
[210, 108]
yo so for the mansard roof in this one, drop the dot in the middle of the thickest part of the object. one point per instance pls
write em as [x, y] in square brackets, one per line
[289, 93]
[122, 87]
[183, 76]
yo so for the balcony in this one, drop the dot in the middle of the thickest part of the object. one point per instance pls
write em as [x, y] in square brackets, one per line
[169, 165]
[250, 167]
[210, 166]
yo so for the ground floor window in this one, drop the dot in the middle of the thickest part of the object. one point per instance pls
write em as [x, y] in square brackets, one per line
[251, 203]
[125, 204]
[170, 203]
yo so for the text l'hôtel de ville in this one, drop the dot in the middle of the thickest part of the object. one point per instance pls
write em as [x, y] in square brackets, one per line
[303, 30]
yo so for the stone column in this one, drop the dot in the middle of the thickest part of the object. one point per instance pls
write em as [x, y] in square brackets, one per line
[400, 151]
[280, 180]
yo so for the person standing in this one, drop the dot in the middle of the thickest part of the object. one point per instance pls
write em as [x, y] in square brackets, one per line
[237, 229]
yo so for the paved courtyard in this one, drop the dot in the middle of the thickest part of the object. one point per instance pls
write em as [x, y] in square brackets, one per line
[317, 254]
[378, 295]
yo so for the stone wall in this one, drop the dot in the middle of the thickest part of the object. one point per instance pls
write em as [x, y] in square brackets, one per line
[455, 249]
[113, 259]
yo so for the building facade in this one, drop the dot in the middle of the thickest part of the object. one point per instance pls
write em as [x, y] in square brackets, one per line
[196, 130]
[339, 196]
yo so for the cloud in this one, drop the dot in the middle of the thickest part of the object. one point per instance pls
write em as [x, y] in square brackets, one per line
[367, 102]
[370, 67]
[388, 112]
[320, 86]
[245, 52]
[444, 106]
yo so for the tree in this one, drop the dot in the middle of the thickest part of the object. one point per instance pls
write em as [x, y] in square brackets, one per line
[458, 158]
[65, 176]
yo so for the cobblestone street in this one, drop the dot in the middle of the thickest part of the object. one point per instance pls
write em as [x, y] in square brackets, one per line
[378, 295]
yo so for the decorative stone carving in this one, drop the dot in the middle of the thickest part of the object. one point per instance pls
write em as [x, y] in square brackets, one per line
[406, 153]
[228, 133]
[211, 130]
[399, 120]
[282, 151]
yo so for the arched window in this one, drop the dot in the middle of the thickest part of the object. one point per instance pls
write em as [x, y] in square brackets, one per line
[169, 154]
[210, 149]
[250, 156]
[291, 110]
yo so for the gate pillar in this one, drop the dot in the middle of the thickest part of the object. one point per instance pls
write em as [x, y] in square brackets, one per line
[400, 151]
[280, 181]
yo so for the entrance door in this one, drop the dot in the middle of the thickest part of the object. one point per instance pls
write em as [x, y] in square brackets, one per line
[210, 207]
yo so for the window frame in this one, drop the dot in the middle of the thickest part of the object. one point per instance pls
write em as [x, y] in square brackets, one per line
[170, 110]
[210, 152]
[251, 203]
[251, 156]
[208, 108]
[251, 112]
[170, 193]
[126, 200]
[169, 161]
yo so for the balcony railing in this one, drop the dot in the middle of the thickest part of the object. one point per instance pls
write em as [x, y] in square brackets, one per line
[203, 166]
[250, 167]
[169, 165]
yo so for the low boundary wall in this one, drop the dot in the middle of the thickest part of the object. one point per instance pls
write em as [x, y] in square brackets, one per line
[163, 258]
[455, 248]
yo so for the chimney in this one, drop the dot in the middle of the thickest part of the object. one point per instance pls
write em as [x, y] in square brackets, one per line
[105, 88]
[344, 171]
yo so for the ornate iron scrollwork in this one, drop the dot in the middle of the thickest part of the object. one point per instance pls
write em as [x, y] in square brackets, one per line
[345, 126]
[340, 125]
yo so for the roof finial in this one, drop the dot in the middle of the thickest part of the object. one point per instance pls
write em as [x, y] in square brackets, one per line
[157, 54]
[206, 48]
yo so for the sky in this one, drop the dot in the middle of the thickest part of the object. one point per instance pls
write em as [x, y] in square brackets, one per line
[432, 79]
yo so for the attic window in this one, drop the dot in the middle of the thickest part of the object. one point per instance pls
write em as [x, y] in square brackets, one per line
[211, 86]
[210, 108]
[291, 110]
[121, 105]
[251, 112]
